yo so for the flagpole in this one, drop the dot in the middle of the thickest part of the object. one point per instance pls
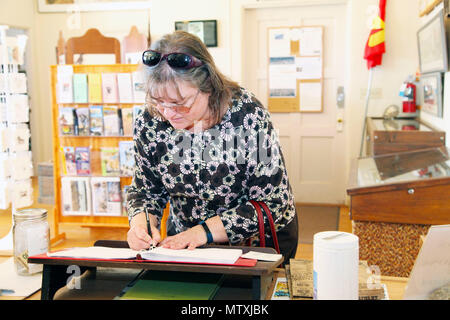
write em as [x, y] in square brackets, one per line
[369, 89]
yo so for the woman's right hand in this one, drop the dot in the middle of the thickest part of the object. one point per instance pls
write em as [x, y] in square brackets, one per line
[138, 237]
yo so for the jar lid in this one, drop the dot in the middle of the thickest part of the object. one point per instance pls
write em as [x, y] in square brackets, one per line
[336, 240]
[30, 214]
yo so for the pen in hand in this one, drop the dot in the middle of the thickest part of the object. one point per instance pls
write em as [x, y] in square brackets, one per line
[149, 230]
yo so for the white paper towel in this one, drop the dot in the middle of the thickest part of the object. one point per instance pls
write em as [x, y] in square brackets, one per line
[335, 264]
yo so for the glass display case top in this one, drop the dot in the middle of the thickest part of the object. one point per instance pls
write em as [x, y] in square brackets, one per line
[401, 167]
[399, 125]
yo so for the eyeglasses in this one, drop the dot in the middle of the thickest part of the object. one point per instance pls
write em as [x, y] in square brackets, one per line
[175, 60]
[179, 108]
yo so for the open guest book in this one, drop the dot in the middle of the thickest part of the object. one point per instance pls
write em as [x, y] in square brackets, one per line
[158, 254]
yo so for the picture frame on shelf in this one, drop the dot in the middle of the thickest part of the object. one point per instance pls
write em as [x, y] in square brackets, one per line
[431, 86]
[48, 6]
[432, 45]
[206, 30]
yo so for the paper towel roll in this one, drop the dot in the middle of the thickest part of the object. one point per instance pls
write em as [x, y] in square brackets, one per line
[335, 265]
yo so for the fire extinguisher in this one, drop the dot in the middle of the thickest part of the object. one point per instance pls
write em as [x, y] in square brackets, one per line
[409, 97]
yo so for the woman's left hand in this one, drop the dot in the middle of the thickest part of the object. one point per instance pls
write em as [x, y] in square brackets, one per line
[191, 239]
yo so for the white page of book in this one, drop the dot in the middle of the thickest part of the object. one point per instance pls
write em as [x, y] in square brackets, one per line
[197, 255]
[95, 253]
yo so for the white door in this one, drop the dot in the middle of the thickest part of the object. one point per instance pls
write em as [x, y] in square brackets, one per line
[312, 143]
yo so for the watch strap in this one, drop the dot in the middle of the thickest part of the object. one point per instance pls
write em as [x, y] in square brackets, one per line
[209, 236]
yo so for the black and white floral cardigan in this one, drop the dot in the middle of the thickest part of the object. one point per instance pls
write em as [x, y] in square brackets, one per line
[213, 172]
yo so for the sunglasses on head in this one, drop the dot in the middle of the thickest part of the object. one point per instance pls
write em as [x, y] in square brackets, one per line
[175, 60]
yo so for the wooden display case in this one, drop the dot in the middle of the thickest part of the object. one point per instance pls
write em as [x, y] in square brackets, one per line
[394, 199]
[408, 187]
[400, 135]
[95, 143]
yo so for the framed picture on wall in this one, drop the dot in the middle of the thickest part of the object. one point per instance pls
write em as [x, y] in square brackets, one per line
[432, 45]
[426, 6]
[206, 30]
[431, 86]
[91, 5]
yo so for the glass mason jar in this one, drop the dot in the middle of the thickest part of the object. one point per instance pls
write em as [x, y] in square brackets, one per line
[31, 236]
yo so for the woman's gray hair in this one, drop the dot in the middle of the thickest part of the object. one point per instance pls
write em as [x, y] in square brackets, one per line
[207, 77]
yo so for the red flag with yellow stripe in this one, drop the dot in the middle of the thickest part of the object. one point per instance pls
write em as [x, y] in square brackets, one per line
[375, 46]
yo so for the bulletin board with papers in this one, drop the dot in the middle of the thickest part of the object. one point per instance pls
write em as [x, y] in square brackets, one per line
[295, 69]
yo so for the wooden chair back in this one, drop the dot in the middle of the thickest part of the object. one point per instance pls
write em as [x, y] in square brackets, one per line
[92, 42]
[134, 42]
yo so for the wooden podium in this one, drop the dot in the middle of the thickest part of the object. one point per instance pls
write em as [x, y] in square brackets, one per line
[55, 272]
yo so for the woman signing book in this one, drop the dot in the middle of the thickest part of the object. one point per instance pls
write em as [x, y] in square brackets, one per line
[208, 147]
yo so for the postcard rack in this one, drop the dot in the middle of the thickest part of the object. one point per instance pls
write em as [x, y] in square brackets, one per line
[16, 167]
[94, 107]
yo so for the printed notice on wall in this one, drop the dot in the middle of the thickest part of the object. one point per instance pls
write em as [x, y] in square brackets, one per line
[282, 80]
[310, 96]
[308, 67]
[310, 41]
[279, 43]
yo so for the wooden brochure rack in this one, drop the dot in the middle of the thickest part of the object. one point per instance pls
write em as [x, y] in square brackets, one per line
[95, 143]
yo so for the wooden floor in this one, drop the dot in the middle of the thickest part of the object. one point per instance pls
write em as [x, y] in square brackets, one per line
[77, 236]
